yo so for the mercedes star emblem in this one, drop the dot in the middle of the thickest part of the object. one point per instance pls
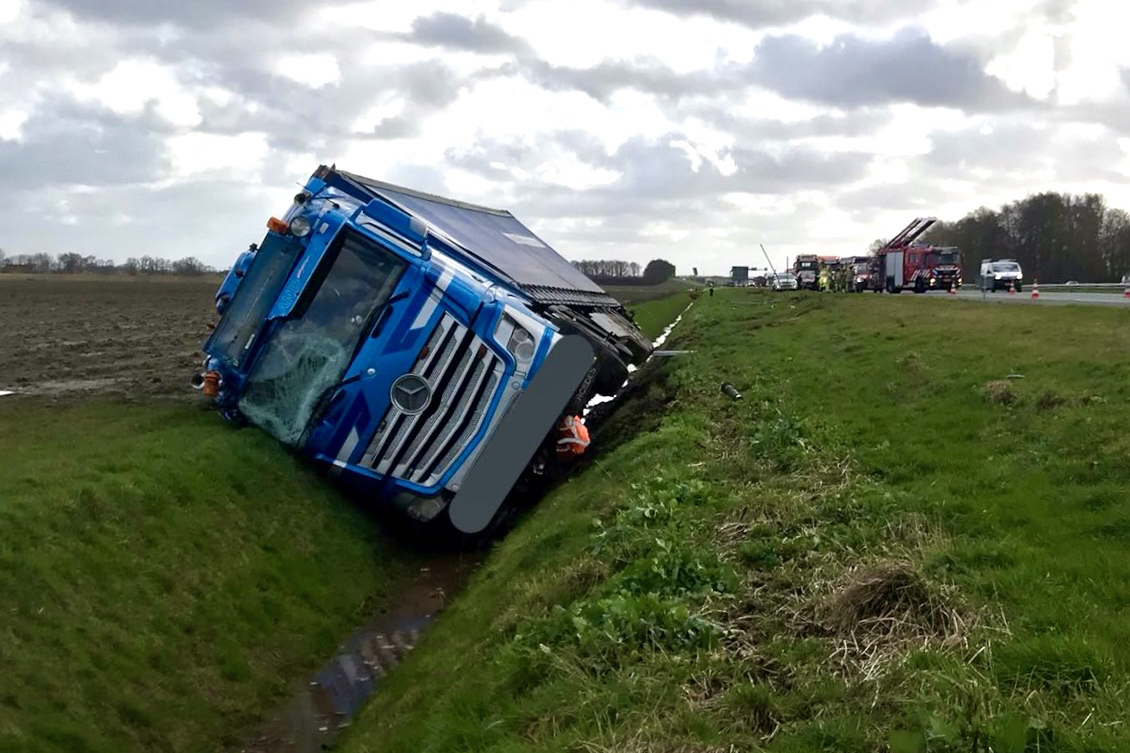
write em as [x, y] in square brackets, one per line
[411, 393]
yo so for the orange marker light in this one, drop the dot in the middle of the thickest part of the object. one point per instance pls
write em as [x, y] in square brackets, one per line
[277, 225]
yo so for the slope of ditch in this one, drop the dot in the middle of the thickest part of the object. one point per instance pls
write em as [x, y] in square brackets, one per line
[165, 579]
[804, 568]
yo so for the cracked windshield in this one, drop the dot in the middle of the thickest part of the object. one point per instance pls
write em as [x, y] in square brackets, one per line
[309, 354]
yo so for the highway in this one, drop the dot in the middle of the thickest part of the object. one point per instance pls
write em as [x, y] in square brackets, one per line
[1049, 297]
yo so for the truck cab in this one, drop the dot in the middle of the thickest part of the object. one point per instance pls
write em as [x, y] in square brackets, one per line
[806, 269]
[420, 350]
[944, 263]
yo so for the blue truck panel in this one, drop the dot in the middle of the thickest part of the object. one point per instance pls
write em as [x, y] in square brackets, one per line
[388, 336]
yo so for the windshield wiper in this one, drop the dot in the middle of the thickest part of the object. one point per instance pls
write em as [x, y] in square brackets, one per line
[379, 314]
[329, 395]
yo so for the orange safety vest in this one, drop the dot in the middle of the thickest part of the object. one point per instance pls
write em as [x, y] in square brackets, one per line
[572, 436]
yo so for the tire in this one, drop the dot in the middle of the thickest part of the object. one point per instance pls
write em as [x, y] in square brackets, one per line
[1018, 287]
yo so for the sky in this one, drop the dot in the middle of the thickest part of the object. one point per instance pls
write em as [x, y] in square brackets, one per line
[696, 132]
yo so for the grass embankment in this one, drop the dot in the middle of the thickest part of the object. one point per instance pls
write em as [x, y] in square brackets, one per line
[886, 545]
[165, 578]
[654, 315]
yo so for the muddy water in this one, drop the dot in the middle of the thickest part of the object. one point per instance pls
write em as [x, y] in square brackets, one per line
[316, 715]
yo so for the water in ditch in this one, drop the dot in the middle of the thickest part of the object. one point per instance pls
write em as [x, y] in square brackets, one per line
[314, 718]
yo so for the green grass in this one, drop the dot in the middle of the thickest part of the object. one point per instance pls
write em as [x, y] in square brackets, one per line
[166, 580]
[888, 544]
[633, 294]
[653, 316]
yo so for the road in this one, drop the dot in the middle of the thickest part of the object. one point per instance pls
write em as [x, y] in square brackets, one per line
[1060, 296]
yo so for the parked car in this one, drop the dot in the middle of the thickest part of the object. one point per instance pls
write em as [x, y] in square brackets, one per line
[999, 274]
[784, 282]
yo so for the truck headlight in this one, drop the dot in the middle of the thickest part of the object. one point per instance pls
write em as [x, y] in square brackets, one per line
[520, 342]
[300, 226]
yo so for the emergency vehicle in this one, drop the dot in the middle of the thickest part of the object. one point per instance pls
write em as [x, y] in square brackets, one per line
[901, 263]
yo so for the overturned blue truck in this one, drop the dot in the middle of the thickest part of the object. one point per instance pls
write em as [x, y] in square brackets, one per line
[423, 351]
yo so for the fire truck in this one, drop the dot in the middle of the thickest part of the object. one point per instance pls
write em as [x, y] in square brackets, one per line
[805, 268]
[902, 263]
[945, 267]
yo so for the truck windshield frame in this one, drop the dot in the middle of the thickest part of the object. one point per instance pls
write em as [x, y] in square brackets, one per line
[310, 350]
[945, 257]
[264, 280]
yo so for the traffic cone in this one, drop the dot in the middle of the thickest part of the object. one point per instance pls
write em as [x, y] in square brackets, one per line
[1035, 289]
[953, 288]
[1126, 293]
[1012, 287]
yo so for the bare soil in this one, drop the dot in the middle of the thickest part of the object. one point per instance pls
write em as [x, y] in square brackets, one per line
[68, 338]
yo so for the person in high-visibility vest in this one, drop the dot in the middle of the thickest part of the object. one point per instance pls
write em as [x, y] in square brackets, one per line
[572, 437]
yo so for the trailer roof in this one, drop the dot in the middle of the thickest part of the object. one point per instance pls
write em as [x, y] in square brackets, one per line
[494, 237]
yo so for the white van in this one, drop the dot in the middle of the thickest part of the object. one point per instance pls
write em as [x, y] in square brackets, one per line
[998, 274]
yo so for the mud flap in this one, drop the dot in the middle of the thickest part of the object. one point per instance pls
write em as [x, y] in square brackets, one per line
[533, 416]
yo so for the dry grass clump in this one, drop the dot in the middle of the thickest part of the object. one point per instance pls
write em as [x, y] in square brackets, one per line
[878, 612]
[1000, 392]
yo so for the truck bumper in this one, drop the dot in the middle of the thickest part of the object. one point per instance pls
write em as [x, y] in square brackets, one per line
[512, 445]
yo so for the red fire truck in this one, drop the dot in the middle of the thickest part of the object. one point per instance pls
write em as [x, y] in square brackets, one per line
[901, 263]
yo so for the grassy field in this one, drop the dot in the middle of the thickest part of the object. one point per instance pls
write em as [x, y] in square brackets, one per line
[909, 535]
[166, 580]
[633, 294]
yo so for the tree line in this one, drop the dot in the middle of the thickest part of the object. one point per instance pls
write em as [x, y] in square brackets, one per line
[613, 272]
[71, 263]
[1055, 237]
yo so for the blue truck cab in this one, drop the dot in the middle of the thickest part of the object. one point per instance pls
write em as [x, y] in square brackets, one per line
[422, 350]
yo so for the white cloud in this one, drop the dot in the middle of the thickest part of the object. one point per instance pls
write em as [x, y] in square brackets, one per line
[311, 69]
[12, 123]
[135, 83]
[499, 115]
[195, 153]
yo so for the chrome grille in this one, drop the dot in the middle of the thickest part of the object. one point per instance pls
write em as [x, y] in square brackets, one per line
[464, 374]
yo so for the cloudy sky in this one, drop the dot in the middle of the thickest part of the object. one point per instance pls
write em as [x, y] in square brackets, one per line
[629, 129]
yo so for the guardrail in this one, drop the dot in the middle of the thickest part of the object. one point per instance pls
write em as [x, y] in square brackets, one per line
[1111, 285]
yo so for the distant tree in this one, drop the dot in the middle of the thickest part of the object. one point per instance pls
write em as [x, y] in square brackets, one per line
[876, 244]
[189, 266]
[1054, 236]
[41, 262]
[70, 263]
[657, 271]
